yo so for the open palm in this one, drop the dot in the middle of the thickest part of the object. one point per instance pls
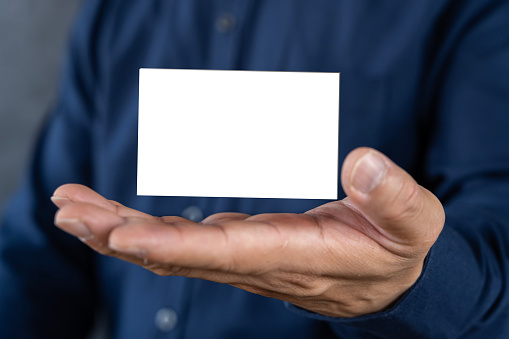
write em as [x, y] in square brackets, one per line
[343, 259]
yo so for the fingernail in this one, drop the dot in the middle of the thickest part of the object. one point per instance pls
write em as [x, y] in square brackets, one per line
[134, 251]
[76, 227]
[368, 172]
[60, 201]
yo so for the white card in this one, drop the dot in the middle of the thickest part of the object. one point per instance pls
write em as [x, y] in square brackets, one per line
[238, 134]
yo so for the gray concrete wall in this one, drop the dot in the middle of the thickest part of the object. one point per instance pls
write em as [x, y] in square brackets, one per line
[32, 37]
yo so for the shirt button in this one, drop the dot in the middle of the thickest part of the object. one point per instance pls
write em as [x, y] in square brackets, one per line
[225, 23]
[166, 319]
[193, 213]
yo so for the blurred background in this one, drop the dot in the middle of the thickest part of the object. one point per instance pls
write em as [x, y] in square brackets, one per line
[33, 34]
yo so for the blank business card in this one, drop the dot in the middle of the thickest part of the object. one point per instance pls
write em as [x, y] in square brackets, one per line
[238, 134]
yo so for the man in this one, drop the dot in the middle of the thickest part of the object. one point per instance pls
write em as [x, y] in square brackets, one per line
[423, 87]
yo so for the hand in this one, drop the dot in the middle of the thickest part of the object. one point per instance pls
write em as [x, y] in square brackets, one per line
[343, 259]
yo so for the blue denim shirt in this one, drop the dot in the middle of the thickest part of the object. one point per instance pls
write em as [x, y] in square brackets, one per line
[425, 82]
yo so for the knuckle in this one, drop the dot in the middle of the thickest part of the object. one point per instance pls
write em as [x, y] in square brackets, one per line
[437, 220]
[405, 204]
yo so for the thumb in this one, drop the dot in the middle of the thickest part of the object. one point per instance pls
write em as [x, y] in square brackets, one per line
[403, 212]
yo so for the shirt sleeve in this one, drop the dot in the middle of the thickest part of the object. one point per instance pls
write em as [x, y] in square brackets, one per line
[463, 289]
[46, 276]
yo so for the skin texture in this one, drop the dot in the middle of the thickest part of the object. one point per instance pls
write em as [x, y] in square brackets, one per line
[346, 258]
